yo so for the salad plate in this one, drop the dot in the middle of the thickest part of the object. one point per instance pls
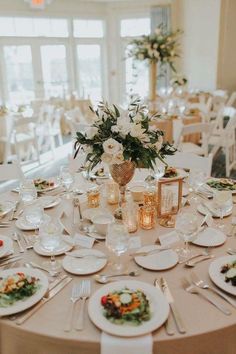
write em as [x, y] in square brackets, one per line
[61, 249]
[219, 278]
[23, 225]
[45, 185]
[210, 237]
[6, 245]
[6, 207]
[158, 261]
[172, 172]
[89, 262]
[222, 184]
[150, 301]
[48, 202]
[210, 205]
[30, 287]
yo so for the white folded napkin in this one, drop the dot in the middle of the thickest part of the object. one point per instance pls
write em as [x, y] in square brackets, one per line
[117, 345]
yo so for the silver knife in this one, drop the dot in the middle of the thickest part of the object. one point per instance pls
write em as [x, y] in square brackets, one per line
[3, 264]
[170, 299]
[169, 324]
[85, 256]
[14, 210]
[44, 300]
[148, 253]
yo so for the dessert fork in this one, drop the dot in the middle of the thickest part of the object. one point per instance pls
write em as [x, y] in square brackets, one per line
[75, 296]
[202, 284]
[192, 289]
[85, 289]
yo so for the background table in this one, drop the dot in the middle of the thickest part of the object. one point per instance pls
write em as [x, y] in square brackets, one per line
[208, 330]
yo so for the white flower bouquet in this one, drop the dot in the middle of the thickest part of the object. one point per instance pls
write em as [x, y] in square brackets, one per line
[178, 81]
[160, 46]
[114, 138]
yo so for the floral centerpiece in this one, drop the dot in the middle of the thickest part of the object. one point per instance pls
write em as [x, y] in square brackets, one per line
[122, 141]
[161, 46]
[178, 81]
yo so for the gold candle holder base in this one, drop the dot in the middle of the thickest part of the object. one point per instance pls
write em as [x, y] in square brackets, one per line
[168, 221]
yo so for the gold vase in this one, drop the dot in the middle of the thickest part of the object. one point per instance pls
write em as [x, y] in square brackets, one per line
[152, 80]
[122, 174]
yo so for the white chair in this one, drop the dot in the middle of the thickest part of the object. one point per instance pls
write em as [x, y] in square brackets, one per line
[11, 172]
[232, 99]
[226, 140]
[191, 161]
[205, 129]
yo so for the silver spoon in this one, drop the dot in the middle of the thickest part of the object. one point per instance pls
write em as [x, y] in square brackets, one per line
[105, 278]
[231, 251]
[34, 265]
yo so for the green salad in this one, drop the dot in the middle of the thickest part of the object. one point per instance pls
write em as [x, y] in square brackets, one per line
[17, 287]
[229, 269]
[126, 306]
[222, 184]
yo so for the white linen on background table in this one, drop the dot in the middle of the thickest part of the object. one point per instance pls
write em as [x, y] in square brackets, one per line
[117, 345]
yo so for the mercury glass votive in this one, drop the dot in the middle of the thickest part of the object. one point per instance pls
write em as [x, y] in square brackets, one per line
[93, 197]
[130, 218]
[147, 217]
[112, 191]
[150, 196]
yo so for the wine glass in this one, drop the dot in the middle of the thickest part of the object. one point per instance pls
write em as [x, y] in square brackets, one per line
[186, 226]
[34, 215]
[223, 203]
[195, 180]
[50, 234]
[66, 178]
[159, 169]
[117, 240]
[28, 192]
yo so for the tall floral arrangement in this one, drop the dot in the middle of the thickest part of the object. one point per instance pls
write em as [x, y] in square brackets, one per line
[161, 46]
[178, 80]
[114, 137]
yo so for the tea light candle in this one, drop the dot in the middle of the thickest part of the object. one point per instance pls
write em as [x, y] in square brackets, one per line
[112, 193]
[93, 197]
[147, 218]
[130, 219]
[150, 196]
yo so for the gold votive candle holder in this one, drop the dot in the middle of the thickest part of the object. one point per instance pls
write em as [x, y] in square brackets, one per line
[93, 197]
[130, 218]
[112, 192]
[147, 217]
[149, 197]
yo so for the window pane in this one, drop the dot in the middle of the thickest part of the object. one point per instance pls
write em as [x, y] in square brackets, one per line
[59, 28]
[45, 27]
[89, 64]
[137, 77]
[19, 72]
[54, 70]
[24, 27]
[88, 28]
[135, 27]
[7, 27]
[41, 27]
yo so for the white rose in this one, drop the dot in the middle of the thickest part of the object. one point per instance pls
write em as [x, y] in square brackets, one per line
[124, 125]
[111, 146]
[155, 45]
[138, 118]
[107, 158]
[115, 129]
[91, 132]
[137, 131]
[118, 158]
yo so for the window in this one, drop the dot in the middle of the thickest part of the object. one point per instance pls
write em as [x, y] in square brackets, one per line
[89, 66]
[19, 73]
[88, 28]
[33, 27]
[135, 27]
[54, 70]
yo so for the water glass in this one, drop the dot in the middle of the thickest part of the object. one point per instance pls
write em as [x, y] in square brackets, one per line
[66, 178]
[28, 192]
[34, 215]
[50, 234]
[117, 241]
[195, 180]
[223, 203]
[186, 226]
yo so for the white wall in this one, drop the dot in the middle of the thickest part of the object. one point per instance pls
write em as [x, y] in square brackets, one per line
[200, 21]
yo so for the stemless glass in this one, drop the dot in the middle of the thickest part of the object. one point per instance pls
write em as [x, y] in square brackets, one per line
[28, 192]
[223, 203]
[67, 179]
[186, 226]
[117, 241]
[50, 234]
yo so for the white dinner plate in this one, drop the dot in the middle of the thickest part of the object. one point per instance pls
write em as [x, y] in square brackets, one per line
[158, 306]
[56, 185]
[22, 305]
[180, 173]
[23, 225]
[61, 249]
[49, 201]
[7, 245]
[86, 265]
[158, 261]
[92, 212]
[204, 211]
[6, 207]
[219, 278]
[210, 237]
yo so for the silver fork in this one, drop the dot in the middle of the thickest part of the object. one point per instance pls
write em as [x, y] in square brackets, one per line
[16, 238]
[75, 296]
[202, 284]
[192, 289]
[84, 294]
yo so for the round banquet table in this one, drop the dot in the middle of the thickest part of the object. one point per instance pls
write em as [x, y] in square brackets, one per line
[208, 330]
